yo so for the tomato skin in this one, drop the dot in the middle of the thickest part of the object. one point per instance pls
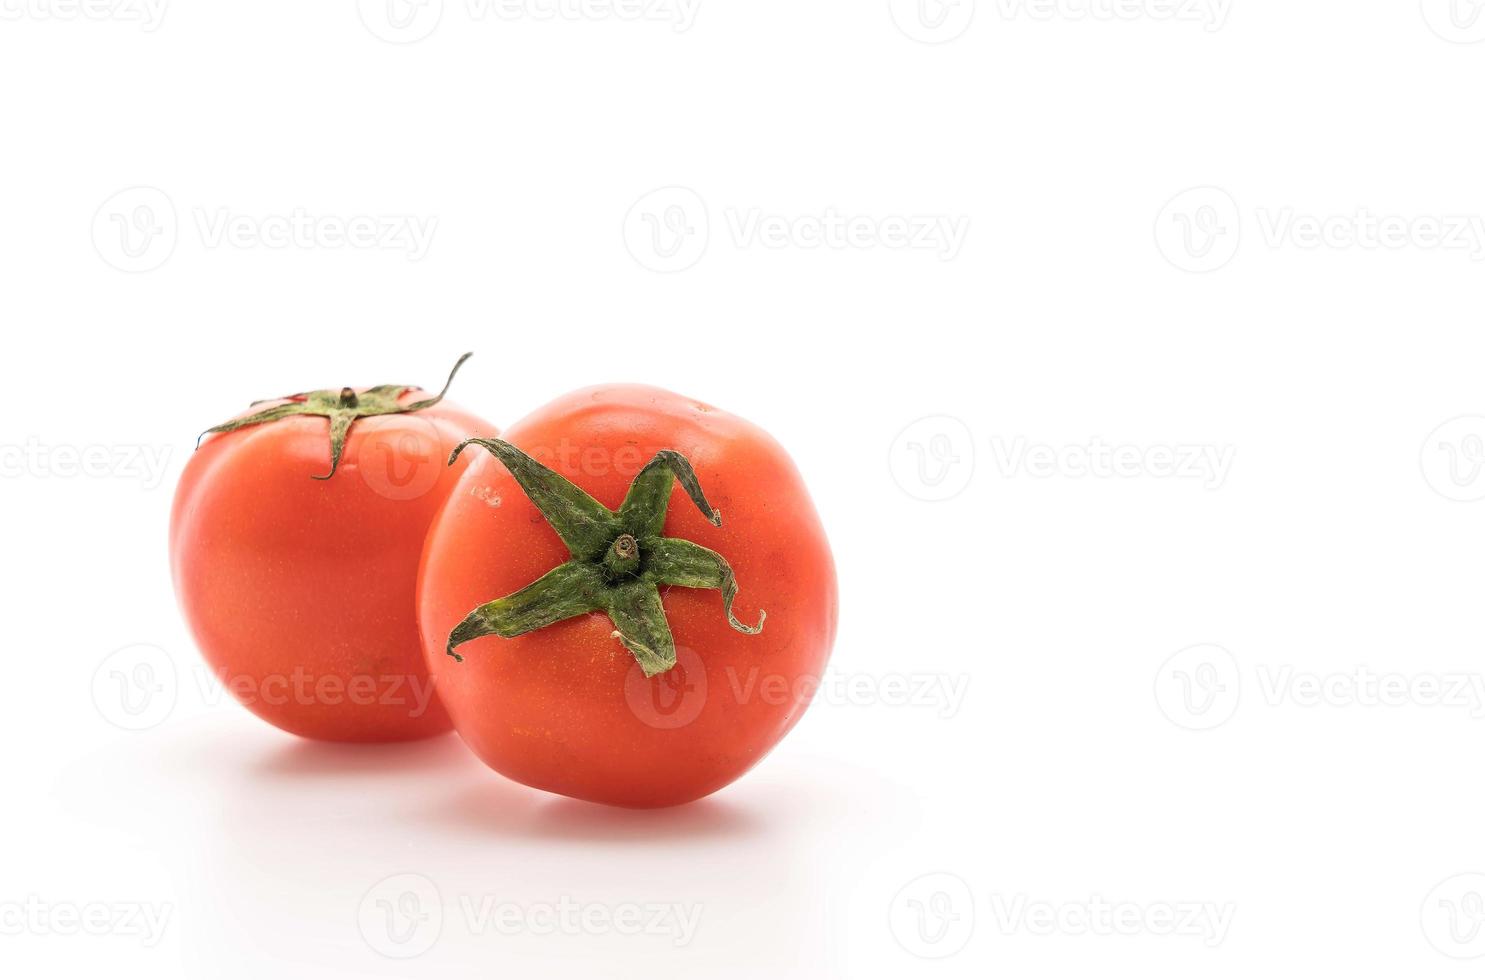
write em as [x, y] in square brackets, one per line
[300, 592]
[566, 708]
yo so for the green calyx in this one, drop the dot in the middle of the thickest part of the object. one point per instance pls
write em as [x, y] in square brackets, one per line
[619, 560]
[342, 407]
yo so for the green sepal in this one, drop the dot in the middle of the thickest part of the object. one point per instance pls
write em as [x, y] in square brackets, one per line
[342, 407]
[570, 589]
[584, 525]
[645, 505]
[638, 615]
[618, 559]
[674, 561]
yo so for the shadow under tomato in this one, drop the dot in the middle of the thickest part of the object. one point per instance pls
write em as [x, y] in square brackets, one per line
[493, 806]
[487, 804]
[301, 758]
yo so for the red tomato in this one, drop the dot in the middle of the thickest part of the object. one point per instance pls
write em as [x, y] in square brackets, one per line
[567, 707]
[300, 589]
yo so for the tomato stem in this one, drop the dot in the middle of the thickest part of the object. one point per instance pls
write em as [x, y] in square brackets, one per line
[342, 408]
[623, 558]
[619, 559]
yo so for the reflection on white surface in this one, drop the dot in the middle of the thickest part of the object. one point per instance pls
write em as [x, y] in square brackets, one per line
[289, 855]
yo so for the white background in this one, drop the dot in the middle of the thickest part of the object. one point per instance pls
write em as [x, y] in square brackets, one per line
[1046, 544]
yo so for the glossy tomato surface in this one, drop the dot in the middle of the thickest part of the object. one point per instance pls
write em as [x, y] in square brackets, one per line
[567, 708]
[300, 592]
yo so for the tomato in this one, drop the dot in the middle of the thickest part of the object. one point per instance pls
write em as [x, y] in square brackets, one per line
[568, 686]
[299, 584]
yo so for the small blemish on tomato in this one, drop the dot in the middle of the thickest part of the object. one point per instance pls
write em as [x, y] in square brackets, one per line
[485, 494]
